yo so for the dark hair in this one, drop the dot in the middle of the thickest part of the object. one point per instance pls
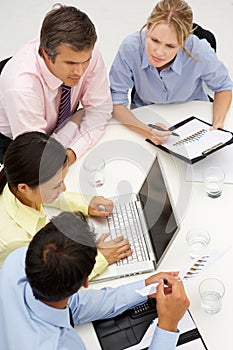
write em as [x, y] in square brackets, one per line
[69, 26]
[60, 257]
[32, 158]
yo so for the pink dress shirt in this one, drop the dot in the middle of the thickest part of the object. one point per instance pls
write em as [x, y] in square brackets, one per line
[30, 97]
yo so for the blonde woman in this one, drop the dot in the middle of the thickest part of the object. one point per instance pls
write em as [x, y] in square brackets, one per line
[166, 63]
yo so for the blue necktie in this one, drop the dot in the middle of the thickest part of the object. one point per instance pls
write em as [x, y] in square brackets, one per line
[65, 104]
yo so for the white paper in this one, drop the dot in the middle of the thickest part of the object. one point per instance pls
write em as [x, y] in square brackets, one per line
[186, 324]
[196, 344]
[147, 338]
[191, 270]
[151, 289]
[194, 138]
[222, 158]
[197, 265]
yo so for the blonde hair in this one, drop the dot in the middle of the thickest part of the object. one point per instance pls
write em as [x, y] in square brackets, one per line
[176, 13]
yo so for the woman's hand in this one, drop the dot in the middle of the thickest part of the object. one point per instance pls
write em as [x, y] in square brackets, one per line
[100, 206]
[159, 137]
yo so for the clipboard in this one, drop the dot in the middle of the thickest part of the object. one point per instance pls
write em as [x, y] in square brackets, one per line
[128, 329]
[196, 141]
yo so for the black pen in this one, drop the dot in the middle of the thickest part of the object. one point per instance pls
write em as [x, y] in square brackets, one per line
[161, 129]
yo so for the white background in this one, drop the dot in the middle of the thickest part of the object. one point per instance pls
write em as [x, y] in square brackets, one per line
[21, 20]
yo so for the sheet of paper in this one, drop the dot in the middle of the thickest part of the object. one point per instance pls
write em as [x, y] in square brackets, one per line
[222, 158]
[195, 137]
[147, 290]
[196, 344]
[146, 340]
[197, 265]
[191, 270]
[186, 324]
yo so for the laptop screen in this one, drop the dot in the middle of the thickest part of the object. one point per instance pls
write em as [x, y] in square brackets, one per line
[158, 211]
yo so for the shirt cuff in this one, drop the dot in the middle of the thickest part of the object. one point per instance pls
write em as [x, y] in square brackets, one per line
[164, 340]
[66, 134]
[118, 99]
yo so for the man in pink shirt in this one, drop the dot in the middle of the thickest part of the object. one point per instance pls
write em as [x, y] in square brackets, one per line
[30, 84]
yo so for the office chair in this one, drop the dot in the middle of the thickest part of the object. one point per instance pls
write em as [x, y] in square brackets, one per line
[201, 33]
[3, 62]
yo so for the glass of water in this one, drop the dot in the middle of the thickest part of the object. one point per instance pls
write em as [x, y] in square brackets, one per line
[211, 291]
[198, 241]
[213, 178]
[94, 168]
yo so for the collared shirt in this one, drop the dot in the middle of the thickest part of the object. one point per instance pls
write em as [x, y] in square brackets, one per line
[27, 323]
[30, 98]
[180, 82]
[19, 223]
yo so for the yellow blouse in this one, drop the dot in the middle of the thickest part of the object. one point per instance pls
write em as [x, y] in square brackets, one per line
[19, 223]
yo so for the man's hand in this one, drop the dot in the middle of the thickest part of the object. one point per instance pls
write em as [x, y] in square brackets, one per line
[171, 306]
[162, 276]
[100, 206]
[114, 250]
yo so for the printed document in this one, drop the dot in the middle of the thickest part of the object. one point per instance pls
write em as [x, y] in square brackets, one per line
[196, 139]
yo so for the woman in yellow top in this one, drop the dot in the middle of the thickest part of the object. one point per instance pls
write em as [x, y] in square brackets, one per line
[35, 166]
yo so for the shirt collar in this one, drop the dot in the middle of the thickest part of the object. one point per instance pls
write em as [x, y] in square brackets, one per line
[51, 80]
[176, 65]
[181, 57]
[29, 219]
[145, 61]
[56, 317]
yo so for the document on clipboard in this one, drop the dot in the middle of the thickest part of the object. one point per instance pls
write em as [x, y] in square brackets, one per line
[196, 140]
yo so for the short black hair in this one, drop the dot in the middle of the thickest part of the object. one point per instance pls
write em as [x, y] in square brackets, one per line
[60, 257]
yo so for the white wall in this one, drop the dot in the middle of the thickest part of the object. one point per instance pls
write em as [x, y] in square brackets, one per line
[21, 20]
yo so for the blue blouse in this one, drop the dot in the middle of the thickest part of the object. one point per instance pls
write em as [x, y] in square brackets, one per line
[182, 81]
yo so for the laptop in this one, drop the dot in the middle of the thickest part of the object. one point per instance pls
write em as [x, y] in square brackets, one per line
[150, 221]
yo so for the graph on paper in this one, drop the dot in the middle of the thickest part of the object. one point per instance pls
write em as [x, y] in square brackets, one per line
[191, 138]
[195, 139]
[198, 265]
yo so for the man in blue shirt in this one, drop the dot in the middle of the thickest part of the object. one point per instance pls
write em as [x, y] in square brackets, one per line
[38, 291]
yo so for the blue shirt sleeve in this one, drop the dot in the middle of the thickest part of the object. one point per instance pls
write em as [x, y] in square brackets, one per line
[164, 340]
[122, 74]
[89, 305]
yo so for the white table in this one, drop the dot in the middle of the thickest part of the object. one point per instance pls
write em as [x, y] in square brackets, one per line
[128, 158]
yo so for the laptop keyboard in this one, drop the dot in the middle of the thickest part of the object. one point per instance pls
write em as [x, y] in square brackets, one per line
[125, 220]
